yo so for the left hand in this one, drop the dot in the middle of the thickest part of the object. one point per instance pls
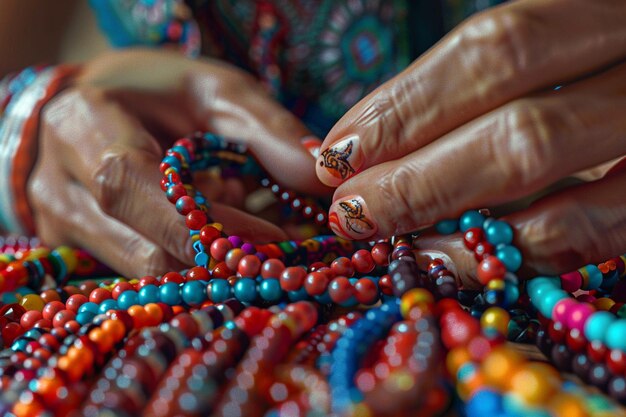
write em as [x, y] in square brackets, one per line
[475, 122]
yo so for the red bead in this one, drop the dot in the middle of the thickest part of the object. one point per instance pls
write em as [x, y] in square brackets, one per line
[340, 290]
[43, 324]
[557, 331]
[196, 219]
[99, 295]
[472, 237]
[185, 205]
[292, 278]
[576, 340]
[479, 347]
[316, 266]
[219, 248]
[50, 309]
[458, 328]
[198, 273]
[172, 276]
[147, 280]
[165, 183]
[175, 192]
[342, 266]
[315, 283]
[386, 285]
[29, 319]
[186, 324]
[366, 291]
[363, 262]
[75, 301]
[490, 268]
[380, 253]
[249, 266]
[119, 288]
[272, 268]
[233, 257]
[616, 361]
[208, 234]
[10, 331]
[482, 250]
[63, 317]
[597, 351]
[221, 270]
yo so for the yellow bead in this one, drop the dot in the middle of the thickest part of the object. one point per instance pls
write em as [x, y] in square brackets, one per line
[5, 258]
[218, 226]
[119, 279]
[456, 358]
[495, 318]
[133, 281]
[603, 303]
[195, 238]
[535, 383]
[567, 405]
[32, 302]
[496, 284]
[37, 253]
[415, 297]
[69, 257]
[499, 365]
[169, 171]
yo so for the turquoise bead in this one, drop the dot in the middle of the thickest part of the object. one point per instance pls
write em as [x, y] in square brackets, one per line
[194, 293]
[270, 290]
[499, 232]
[511, 294]
[169, 293]
[107, 305]
[89, 307]
[220, 290]
[447, 227]
[470, 219]
[298, 295]
[148, 294]
[549, 300]
[85, 317]
[597, 325]
[510, 256]
[127, 299]
[245, 290]
[595, 277]
[538, 286]
[324, 298]
[615, 337]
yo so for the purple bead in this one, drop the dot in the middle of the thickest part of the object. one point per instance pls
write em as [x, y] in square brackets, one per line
[262, 257]
[578, 316]
[248, 248]
[236, 241]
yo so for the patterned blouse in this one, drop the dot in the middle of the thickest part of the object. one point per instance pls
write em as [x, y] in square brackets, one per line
[318, 57]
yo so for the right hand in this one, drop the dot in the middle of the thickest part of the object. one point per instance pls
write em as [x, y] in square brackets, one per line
[95, 184]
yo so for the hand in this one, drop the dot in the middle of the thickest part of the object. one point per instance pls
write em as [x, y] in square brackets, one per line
[476, 122]
[96, 182]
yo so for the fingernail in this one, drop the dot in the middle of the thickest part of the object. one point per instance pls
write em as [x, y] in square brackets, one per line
[340, 161]
[312, 144]
[349, 218]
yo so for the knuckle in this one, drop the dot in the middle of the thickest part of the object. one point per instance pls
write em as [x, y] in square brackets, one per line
[149, 257]
[109, 179]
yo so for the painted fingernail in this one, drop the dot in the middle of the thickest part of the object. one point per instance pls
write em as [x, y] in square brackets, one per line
[340, 161]
[312, 144]
[349, 218]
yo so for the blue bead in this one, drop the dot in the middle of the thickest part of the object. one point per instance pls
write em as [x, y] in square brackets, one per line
[595, 277]
[148, 294]
[245, 290]
[194, 293]
[536, 287]
[615, 337]
[89, 307]
[172, 161]
[470, 219]
[169, 293]
[270, 290]
[107, 305]
[84, 317]
[220, 290]
[127, 299]
[510, 256]
[19, 345]
[597, 325]
[511, 294]
[447, 227]
[483, 403]
[499, 232]
[298, 295]
[201, 259]
[33, 333]
[546, 305]
[324, 298]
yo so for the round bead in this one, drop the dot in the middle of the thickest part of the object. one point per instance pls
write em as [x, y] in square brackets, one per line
[169, 293]
[194, 293]
[561, 312]
[107, 305]
[127, 299]
[208, 234]
[272, 268]
[219, 248]
[415, 297]
[549, 300]
[470, 219]
[366, 291]
[495, 318]
[614, 338]
[340, 290]
[219, 290]
[32, 302]
[578, 315]
[99, 295]
[535, 382]
[148, 294]
[195, 219]
[510, 256]
[292, 278]
[597, 325]
[363, 262]
[249, 266]
[490, 268]
[245, 289]
[447, 227]
[269, 290]
[499, 232]
[75, 301]
[51, 309]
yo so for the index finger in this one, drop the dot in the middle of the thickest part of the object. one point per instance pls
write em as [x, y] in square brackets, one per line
[493, 58]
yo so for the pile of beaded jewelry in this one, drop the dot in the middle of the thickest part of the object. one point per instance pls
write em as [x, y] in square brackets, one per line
[319, 327]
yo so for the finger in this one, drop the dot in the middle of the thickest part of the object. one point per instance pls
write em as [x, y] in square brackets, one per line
[509, 153]
[235, 105]
[495, 57]
[119, 167]
[70, 215]
[247, 226]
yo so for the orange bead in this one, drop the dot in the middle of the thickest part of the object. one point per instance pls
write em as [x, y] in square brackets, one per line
[73, 369]
[47, 387]
[535, 383]
[567, 405]
[31, 408]
[456, 358]
[499, 365]
[115, 328]
[139, 315]
[102, 339]
[178, 309]
[81, 356]
[155, 314]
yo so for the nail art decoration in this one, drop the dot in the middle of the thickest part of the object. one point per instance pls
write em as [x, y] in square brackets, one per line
[349, 218]
[339, 162]
[312, 144]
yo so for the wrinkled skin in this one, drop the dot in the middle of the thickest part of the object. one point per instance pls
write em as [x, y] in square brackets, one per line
[476, 122]
[95, 184]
